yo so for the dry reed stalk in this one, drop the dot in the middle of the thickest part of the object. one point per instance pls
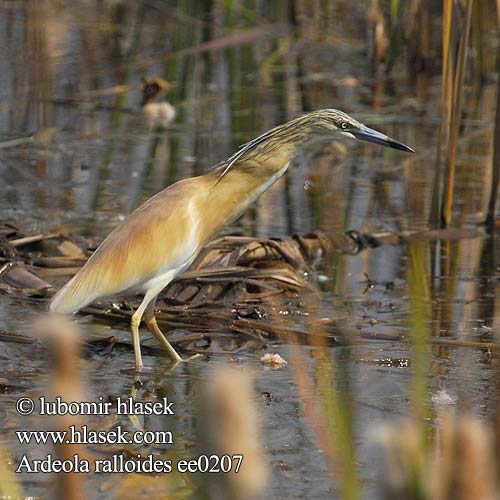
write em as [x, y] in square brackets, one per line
[455, 118]
[418, 37]
[465, 467]
[232, 427]
[495, 167]
[445, 107]
[380, 38]
[9, 485]
[64, 344]
[403, 461]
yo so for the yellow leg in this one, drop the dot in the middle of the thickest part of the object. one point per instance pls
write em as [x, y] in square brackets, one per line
[136, 321]
[153, 327]
[134, 326]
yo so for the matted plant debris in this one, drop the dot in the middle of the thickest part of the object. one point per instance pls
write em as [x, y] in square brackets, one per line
[236, 293]
[235, 286]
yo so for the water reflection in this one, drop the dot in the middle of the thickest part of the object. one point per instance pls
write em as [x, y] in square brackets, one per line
[86, 156]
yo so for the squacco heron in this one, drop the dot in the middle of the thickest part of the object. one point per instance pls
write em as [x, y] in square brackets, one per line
[162, 237]
[159, 114]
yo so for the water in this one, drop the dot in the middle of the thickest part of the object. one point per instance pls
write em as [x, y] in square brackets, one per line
[86, 156]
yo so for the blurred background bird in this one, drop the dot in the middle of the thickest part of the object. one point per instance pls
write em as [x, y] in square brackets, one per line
[162, 237]
[158, 114]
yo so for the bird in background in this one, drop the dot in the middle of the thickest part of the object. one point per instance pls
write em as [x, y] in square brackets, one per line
[158, 114]
[161, 238]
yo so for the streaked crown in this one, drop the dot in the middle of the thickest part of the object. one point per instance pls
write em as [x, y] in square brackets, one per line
[323, 122]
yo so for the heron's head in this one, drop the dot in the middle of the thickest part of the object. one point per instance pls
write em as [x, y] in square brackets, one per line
[152, 89]
[323, 123]
[333, 121]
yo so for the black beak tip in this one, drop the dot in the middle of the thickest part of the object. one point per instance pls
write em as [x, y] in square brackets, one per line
[370, 135]
[399, 145]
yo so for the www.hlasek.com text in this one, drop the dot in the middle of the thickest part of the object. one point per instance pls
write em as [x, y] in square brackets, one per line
[84, 435]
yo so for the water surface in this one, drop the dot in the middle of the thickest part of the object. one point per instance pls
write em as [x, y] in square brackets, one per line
[83, 156]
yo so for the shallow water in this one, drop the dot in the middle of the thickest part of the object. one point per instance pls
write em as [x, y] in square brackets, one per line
[85, 156]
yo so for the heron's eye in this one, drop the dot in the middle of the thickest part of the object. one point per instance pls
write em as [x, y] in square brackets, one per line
[344, 125]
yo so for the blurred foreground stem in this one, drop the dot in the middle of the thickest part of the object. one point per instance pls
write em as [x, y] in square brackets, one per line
[418, 272]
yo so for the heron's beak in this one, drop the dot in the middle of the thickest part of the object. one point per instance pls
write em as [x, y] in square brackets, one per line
[370, 135]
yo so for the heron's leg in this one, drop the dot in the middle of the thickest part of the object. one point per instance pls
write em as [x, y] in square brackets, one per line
[150, 320]
[136, 321]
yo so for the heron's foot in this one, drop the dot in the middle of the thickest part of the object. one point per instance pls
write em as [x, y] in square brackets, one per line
[192, 358]
[177, 359]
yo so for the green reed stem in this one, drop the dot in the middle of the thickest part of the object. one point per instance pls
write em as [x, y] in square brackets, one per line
[336, 404]
[418, 276]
